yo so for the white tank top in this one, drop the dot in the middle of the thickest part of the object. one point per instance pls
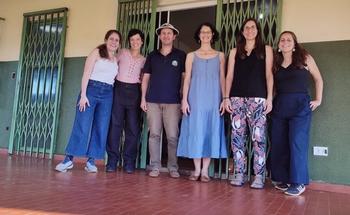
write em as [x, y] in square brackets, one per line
[104, 71]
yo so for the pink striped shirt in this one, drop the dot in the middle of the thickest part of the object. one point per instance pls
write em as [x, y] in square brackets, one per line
[129, 67]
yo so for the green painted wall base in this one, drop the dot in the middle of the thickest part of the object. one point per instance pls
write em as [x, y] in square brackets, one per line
[331, 122]
[7, 94]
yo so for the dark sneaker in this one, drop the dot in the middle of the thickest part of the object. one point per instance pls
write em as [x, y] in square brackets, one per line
[295, 190]
[129, 169]
[282, 186]
[110, 169]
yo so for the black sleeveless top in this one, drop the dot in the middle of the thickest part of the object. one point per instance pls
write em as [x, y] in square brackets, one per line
[249, 79]
[292, 80]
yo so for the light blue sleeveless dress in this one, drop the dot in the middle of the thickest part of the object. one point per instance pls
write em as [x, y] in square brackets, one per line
[202, 131]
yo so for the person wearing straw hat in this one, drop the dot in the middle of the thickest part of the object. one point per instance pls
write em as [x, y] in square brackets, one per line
[160, 98]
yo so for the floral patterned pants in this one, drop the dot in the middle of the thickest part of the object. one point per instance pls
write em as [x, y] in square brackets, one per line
[248, 115]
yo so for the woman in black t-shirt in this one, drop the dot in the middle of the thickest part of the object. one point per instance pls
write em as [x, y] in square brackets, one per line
[248, 98]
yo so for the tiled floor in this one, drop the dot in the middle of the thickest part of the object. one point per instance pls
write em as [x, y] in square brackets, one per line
[31, 186]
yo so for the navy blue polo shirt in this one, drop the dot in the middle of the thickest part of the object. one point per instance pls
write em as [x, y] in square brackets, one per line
[166, 73]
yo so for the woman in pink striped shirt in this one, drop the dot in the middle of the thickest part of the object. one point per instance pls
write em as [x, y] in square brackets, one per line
[126, 105]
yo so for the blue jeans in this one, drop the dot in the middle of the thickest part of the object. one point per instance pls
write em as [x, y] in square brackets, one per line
[90, 129]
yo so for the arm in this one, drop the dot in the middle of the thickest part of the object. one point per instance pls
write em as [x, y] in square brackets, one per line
[269, 79]
[144, 87]
[316, 75]
[185, 107]
[89, 65]
[222, 81]
[229, 79]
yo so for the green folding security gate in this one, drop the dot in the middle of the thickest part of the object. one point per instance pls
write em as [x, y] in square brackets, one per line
[139, 14]
[230, 15]
[38, 84]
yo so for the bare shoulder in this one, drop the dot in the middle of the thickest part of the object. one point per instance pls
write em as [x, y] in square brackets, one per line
[190, 55]
[94, 55]
[309, 59]
[221, 56]
[268, 49]
[232, 53]
[95, 52]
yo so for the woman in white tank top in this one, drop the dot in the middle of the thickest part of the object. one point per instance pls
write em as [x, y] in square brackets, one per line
[93, 111]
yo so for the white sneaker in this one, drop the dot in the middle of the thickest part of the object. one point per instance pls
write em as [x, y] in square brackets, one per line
[90, 167]
[258, 182]
[238, 180]
[63, 167]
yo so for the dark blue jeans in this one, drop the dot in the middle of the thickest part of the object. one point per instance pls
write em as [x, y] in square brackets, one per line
[290, 126]
[125, 115]
[90, 129]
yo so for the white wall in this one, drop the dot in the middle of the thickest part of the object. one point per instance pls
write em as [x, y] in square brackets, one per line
[317, 20]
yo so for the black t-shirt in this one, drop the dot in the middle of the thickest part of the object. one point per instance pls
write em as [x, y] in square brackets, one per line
[249, 78]
[166, 73]
[292, 80]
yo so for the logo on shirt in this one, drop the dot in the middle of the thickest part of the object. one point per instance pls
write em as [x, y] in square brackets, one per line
[174, 63]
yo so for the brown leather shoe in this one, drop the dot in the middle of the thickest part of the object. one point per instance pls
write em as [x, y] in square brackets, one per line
[174, 174]
[154, 173]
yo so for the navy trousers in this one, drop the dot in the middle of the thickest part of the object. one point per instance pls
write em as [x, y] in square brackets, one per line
[125, 115]
[290, 126]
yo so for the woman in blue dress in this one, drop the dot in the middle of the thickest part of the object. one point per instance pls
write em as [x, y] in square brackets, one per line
[202, 128]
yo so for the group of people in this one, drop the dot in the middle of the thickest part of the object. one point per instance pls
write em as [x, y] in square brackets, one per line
[172, 87]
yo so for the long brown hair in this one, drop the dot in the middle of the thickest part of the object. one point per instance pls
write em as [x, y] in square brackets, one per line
[298, 56]
[102, 49]
[241, 41]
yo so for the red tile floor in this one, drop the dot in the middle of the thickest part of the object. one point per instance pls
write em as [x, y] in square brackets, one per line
[31, 186]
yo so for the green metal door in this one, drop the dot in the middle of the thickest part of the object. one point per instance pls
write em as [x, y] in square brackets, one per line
[140, 14]
[38, 84]
[230, 15]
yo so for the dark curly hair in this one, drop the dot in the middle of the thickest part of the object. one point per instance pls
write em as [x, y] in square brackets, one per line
[102, 49]
[241, 41]
[298, 57]
[212, 28]
[133, 32]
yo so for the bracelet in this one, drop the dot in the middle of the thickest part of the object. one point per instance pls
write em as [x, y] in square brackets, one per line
[225, 98]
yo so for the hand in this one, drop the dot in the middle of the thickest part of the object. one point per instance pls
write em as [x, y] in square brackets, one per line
[185, 107]
[227, 105]
[143, 105]
[82, 103]
[222, 108]
[314, 104]
[268, 106]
